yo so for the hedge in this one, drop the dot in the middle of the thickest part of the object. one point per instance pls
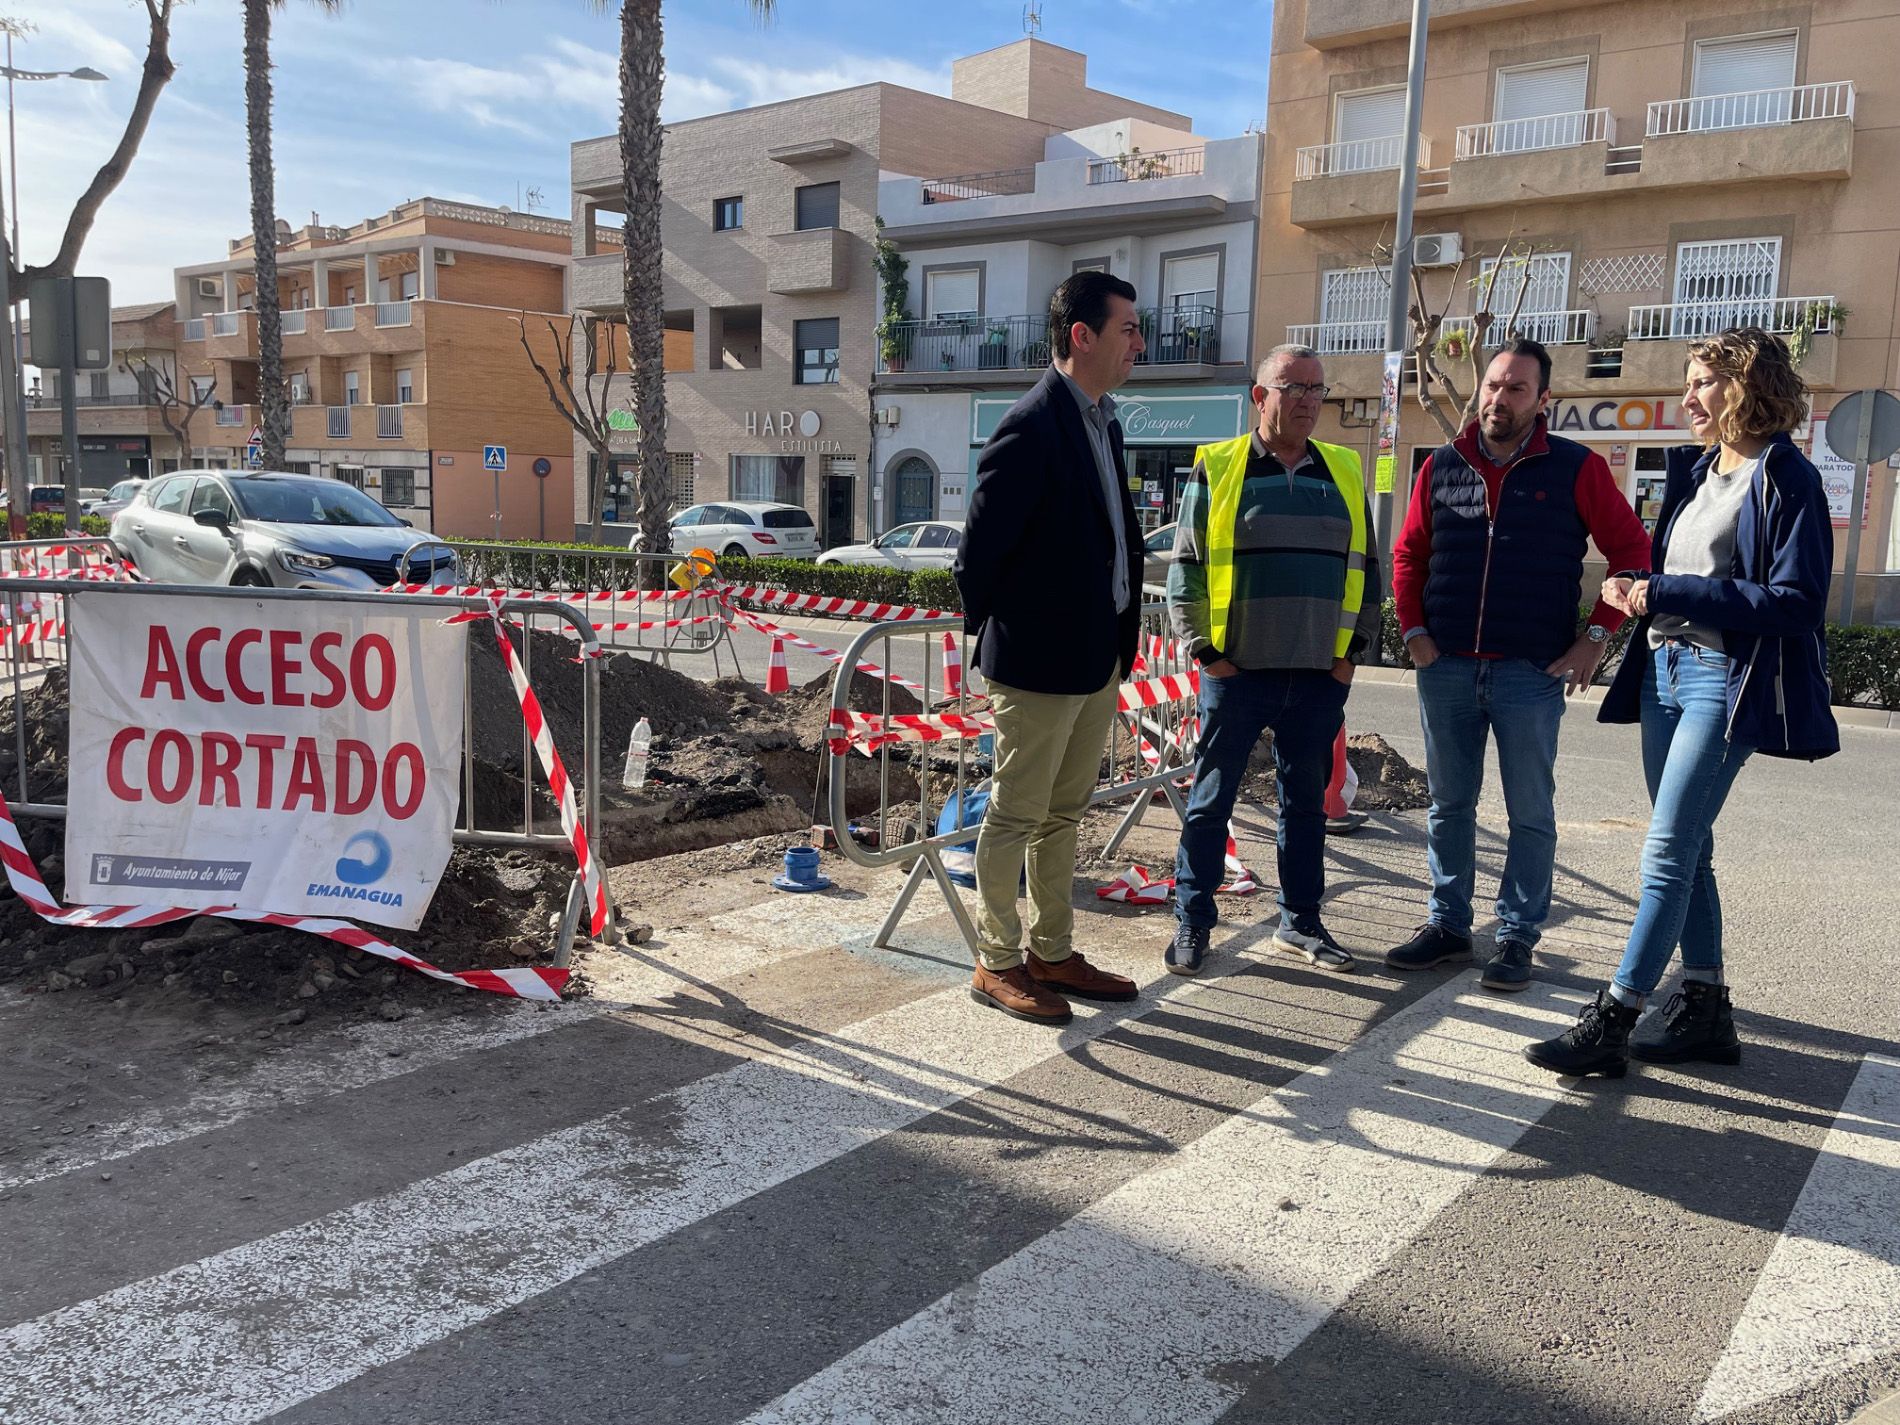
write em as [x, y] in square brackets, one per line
[51, 525]
[878, 583]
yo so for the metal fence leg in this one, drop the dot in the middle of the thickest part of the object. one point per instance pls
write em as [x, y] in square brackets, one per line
[918, 870]
[1128, 823]
[570, 923]
[949, 889]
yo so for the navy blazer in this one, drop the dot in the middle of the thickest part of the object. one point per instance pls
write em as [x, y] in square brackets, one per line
[1771, 610]
[1036, 566]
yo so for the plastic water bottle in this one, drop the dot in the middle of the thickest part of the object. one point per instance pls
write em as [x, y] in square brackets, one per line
[634, 775]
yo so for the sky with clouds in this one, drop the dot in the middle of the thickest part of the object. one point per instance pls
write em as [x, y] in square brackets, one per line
[478, 100]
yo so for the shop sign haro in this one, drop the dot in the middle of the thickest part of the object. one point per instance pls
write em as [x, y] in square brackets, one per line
[797, 434]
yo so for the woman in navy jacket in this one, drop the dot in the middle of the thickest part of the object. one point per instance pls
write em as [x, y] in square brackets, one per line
[1728, 660]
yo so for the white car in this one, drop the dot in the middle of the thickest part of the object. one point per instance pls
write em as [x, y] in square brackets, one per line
[741, 530]
[931, 544]
[117, 498]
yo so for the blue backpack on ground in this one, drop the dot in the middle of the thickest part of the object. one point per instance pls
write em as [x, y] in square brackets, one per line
[964, 813]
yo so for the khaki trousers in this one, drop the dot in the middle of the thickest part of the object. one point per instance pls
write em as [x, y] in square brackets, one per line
[1048, 757]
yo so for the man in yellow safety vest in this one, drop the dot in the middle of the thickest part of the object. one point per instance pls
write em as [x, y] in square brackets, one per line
[1275, 591]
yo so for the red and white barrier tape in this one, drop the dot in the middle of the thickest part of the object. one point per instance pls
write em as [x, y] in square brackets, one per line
[772, 630]
[1136, 887]
[24, 876]
[823, 604]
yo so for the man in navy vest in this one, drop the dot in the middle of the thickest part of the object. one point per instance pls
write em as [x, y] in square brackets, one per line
[1488, 574]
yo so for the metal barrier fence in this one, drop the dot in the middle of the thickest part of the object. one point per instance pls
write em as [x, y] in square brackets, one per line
[1150, 749]
[690, 625]
[484, 821]
[33, 625]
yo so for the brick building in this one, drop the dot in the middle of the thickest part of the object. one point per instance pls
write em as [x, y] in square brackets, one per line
[120, 432]
[403, 351]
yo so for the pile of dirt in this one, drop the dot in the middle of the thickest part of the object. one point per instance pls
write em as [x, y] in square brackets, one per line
[1387, 782]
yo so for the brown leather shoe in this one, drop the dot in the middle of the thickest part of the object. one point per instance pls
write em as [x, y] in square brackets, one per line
[1076, 976]
[1013, 992]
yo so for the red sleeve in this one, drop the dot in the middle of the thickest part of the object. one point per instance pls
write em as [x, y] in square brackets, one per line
[1613, 526]
[1412, 553]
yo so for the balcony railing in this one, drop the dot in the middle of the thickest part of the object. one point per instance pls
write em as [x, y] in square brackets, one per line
[1752, 108]
[339, 319]
[1551, 328]
[226, 323]
[1328, 160]
[999, 184]
[392, 314]
[1339, 338]
[1684, 320]
[389, 422]
[194, 329]
[1545, 131]
[49, 400]
[294, 321]
[1174, 336]
[1136, 166]
[339, 423]
[228, 416]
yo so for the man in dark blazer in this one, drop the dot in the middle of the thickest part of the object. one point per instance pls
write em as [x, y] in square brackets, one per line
[1050, 572]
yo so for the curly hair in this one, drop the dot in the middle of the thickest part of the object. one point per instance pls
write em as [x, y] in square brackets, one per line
[1773, 397]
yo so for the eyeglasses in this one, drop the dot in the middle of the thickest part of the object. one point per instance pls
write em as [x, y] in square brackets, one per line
[1300, 390]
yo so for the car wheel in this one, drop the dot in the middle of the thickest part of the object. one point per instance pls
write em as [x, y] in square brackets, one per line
[249, 578]
[735, 551]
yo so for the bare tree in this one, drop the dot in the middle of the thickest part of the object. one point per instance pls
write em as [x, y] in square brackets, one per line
[155, 75]
[580, 387]
[1452, 401]
[176, 409]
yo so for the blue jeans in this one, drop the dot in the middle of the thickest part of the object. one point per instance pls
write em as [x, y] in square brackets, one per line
[1690, 765]
[1305, 709]
[1460, 701]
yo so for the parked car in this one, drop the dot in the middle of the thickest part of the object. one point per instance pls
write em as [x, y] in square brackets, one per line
[1157, 554]
[931, 544]
[88, 497]
[739, 531]
[46, 500]
[117, 498]
[269, 528]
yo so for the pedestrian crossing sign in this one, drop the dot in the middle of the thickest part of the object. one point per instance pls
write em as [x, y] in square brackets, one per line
[494, 457]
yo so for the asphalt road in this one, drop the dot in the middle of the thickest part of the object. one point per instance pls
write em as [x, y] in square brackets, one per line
[772, 1172]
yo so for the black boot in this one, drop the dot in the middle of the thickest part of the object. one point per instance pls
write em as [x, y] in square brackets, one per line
[1598, 1043]
[1696, 1026]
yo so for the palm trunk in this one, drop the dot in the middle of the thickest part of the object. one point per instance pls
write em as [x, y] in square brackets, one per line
[273, 396]
[642, 73]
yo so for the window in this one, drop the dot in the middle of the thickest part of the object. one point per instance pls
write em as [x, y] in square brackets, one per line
[399, 488]
[101, 385]
[1191, 281]
[351, 475]
[1368, 130]
[934, 536]
[1743, 81]
[200, 388]
[299, 388]
[405, 386]
[818, 206]
[1353, 309]
[728, 214]
[1547, 277]
[211, 495]
[349, 296]
[169, 497]
[778, 479]
[952, 295]
[679, 465]
[686, 519]
[1725, 284]
[411, 286]
[1540, 106]
[352, 388]
[816, 344]
[900, 538]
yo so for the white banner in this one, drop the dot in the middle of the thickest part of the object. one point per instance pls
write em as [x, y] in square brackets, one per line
[1837, 478]
[296, 758]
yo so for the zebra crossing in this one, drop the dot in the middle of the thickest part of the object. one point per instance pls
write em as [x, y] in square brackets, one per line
[770, 1174]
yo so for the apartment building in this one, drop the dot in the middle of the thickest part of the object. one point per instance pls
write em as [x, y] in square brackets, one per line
[402, 346]
[1146, 199]
[121, 433]
[1648, 173]
[769, 226]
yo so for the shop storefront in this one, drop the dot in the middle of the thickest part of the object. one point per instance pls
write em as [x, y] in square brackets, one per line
[1161, 431]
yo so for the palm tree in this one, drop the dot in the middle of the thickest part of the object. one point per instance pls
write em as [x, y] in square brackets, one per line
[273, 394]
[642, 75]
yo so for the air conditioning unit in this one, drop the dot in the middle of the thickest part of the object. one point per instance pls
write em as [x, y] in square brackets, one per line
[210, 287]
[1437, 250]
[444, 257]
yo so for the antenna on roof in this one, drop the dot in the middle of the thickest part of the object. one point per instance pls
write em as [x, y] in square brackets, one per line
[1032, 18]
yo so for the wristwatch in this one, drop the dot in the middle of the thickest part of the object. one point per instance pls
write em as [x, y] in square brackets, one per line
[1597, 634]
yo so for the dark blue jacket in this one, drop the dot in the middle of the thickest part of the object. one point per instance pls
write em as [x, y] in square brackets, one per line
[1036, 566]
[1507, 584]
[1771, 610]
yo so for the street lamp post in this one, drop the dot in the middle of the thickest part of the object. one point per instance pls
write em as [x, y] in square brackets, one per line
[12, 393]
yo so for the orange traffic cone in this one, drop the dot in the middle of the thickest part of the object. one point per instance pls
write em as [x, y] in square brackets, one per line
[778, 678]
[952, 667]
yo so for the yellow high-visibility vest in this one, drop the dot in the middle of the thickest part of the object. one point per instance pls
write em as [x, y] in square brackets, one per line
[1226, 466]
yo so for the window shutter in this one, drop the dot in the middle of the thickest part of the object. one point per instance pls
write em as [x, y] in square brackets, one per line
[952, 293]
[1738, 66]
[1542, 89]
[1194, 277]
[1375, 114]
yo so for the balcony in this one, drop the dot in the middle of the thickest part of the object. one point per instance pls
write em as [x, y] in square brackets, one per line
[1802, 132]
[294, 321]
[1330, 23]
[389, 422]
[1684, 321]
[339, 319]
[392, 314]
[194, 329]
[1077, 199]
[1181, 342]
[1350, 182]
[230, 336]
[816, 260]
[49, 401]
[1551, 328]
[1339, 338]
[227, 416]
[1535, 135]
[337, 426]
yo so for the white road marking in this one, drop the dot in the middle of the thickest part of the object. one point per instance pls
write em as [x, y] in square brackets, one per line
[1828, 1297]
[247, 1332]
[358, 1055]
[1131, 1309]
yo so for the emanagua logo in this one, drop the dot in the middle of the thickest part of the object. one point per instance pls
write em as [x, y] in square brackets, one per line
[365, 861]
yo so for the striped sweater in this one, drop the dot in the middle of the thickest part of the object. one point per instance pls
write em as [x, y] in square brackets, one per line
[1291, 540]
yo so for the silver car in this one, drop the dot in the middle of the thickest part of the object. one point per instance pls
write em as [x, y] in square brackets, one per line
[117, 498]
[271, 529]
